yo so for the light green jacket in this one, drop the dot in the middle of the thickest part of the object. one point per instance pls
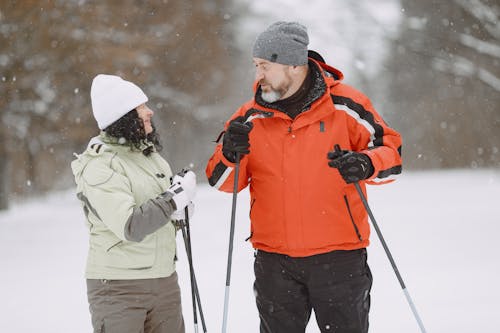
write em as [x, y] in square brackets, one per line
[130, 234]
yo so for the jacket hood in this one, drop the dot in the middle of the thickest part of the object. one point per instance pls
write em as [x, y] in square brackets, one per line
[330, 71]
[104, 145]
[95, 147]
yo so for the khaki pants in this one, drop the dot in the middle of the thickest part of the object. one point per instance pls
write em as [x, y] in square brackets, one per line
[136, 306]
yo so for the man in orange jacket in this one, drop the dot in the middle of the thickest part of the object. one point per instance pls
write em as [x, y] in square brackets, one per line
[308, 224]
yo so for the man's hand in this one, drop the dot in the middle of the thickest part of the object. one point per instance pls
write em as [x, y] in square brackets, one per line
[236, 138]
[352, 166]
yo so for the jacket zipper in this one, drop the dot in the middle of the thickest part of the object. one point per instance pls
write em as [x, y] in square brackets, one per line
[352, 219]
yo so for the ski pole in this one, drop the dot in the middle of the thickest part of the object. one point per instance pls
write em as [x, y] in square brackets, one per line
[251, 115]
[198, 301]
[231, 238]
[195, 295]
[197, 291]
[186, 235]
[389, 255]
[193, 291]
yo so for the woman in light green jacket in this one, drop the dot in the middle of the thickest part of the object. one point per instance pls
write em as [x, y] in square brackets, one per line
[130, 198]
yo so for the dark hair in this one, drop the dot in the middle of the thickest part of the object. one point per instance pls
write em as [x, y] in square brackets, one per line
[131, 128]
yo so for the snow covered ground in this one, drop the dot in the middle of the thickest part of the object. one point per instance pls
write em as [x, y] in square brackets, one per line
[441, 226]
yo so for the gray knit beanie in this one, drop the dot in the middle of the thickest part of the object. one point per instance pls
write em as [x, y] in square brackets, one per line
[284, 43]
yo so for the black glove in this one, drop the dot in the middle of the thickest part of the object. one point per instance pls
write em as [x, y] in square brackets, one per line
[236, 138]
[352, 166]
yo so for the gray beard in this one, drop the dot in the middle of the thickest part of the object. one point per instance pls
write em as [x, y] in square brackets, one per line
[271, 96]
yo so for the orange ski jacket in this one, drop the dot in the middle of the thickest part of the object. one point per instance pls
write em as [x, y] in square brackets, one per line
[299, 205]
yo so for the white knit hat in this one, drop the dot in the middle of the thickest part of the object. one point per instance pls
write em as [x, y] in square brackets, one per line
[112, 97]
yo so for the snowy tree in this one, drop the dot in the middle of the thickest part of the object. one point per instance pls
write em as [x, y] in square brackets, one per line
[179, 52]
[444, 83]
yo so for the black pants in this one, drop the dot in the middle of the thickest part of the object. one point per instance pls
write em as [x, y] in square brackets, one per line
[335, 284]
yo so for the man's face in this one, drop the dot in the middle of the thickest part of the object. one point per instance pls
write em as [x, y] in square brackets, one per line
[274, 79]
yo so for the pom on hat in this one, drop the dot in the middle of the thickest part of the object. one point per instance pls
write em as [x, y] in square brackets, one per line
[112, 97]
[284, 43]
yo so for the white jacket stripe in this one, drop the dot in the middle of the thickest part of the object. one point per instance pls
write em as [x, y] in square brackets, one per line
[362, 122]
[223, 177]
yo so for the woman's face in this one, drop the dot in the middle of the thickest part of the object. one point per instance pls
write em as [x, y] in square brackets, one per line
[145, 114]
